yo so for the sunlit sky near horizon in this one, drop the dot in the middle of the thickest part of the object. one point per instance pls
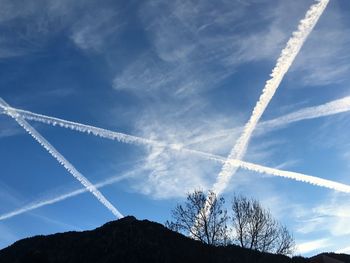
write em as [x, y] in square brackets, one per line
[183, 72]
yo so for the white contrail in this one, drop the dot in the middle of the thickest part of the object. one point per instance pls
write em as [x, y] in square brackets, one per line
[245, 165]
[330, 108]
[60, 198]
[260, 169]
[327, 109]
[293, 175]
[103, 133]
[59, 157]
[121, 137]
[284, 62]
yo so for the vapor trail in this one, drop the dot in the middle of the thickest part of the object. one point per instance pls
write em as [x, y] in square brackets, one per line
[330, 108]
[293, 175]
[284, 62]
[60, 198]
[69, 167]
[100, 132]
[245, 165]
[339, 106]
[121, 137]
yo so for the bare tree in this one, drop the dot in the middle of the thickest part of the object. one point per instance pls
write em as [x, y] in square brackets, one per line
[285, 243]
[207, 224]
[255, 228]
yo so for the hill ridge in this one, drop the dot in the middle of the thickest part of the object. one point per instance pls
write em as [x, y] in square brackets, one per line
[130, 240]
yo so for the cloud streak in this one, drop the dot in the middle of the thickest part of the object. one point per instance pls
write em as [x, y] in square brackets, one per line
[310, 246]
[283, 64]
[59, 157]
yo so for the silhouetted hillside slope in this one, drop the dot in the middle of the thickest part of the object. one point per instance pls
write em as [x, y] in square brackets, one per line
[129, 240]
[330, 258]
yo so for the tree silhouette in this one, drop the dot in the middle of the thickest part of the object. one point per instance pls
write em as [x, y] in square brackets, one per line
[255, 228]
[204, 218]
[206, 225]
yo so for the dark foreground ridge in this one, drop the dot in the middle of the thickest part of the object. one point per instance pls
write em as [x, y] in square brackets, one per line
[130, 240]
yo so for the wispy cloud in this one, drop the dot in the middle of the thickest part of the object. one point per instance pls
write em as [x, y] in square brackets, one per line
[324, 60]
[335, 215]
[311, 246]
[8, 129]
[95, 31]
[188, 55]
[148, 75]
[343, 250]
[329, 217]
[28, 27]
[174, 173]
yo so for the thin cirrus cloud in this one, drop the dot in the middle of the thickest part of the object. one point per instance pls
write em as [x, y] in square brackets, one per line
[311, 246]
[93, 31]
[324, 59]
[328, 217]
[35, 23]
[201, 59]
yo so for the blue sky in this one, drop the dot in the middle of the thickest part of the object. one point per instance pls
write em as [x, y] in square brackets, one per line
[181, 72]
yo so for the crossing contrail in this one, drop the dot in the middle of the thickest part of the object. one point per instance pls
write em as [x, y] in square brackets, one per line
[245, 165]
[121, 137]
[334, 106]
[283, 64]
[327, 109]
[41, 203]
[219, 159]
[59, 157]
[100, 132]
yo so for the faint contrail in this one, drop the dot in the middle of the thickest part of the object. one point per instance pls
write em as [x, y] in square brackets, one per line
[323, 110]
[59, 157]
[338, 107]
[284, 62]
[60, 198]
[329, 108]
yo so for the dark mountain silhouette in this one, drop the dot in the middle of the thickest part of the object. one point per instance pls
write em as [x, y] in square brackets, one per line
[330, 258]
[130, 240]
